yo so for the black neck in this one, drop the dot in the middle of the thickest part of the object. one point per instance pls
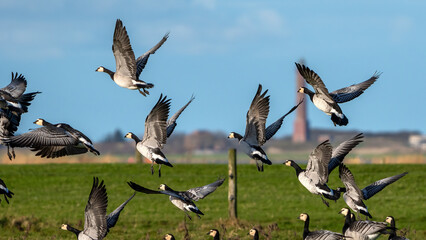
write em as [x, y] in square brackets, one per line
[238, 136]
[75, 231]
[297, 168]
[310, 93]
[392, 229]
[134, 137]
[216, 237]
[306, 228]
[348, 222]
[110, 73]
[256, 236]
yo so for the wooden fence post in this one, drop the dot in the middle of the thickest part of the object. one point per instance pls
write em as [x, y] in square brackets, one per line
[232, 181]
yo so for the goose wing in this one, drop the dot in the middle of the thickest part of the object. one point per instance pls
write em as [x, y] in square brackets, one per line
[274, 127]
[367, 227]
[58, 151]
[112, 218]
[171, 123]
[318, 162]
[95, 224]
[44, 136]
[17, 86]
[139, 188]
[324, 235]
[142, 60]
[198, 193]
[123, 52]
[349, 181]
[75, 133]
[342, 150]
[9, 123]
[156, 123]
[378, 186]
[348, 93]
[314, 80]
[256, 118]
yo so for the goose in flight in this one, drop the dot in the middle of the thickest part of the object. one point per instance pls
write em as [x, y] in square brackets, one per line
[354, 196]
[13, 102]
[53, 140]
[315, 176]
[157, 130]
[5, 191]
[319, 234]
[256, 134]
[184, 200]
[128, 69]
[328, 102]
[97, 223]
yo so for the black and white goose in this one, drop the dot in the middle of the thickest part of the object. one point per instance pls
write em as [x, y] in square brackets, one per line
[5, 191]
[169, 236]
[53, 140]
[315, 176]
[363, 230]
[319, 234]
[328, 102]
[155, 135]
[184, 200]
[128, 69]
[13, 103]
[254, 233]
[214, 233]
[97, 223]
[354, 196]
[256, 134]
[392, 234]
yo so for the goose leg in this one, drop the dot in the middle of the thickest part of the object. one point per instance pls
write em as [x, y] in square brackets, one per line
[145, 91]
[325, 202]
[152, 168]
[188, 216]
[159, 170]
[8, 153]
[142, 92]
[13, 152]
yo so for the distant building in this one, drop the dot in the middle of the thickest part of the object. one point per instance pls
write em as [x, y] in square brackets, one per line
[301, 125]
[417, 141]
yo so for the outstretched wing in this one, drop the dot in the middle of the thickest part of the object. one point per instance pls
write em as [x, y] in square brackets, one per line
[342, 150]
[171, 123]
[44, 136]
[318, 162]
[156, 123]
[95, 224]
[348, 93]
[349, 181]
[112, 218]
[274, 127]
[141, 189]
[58, 151]
[256, 118]
[198, 193]
[123, 52]
[313, 79]
[142, 60]
[17, 86]
[378, 186]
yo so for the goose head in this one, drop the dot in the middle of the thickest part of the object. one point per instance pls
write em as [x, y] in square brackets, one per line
[213, 232]
[235, 135]
[129, 135]
[100, 69]
[304, 217]
[301, 90]
[253, 232]
[344, 211]
[40, 121]
[64, 227]
[288, 163]
[164, 187]
[389, 219]
[169, 236]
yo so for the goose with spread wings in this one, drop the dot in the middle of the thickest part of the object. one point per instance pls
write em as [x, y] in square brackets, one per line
[328, 102]
[53, 140]
[315, 176]
[256, 134]
[157, 130]
[97, 223]
[354, 196]
[184, 200]
[5, 191]
[128, 69]
[13, 102]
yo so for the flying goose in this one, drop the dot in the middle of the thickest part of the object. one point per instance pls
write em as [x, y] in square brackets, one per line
[184, 200]
[353, 195]
[97, 224]
[392, 235]
[256, 134]
[128, 69]
[155, 135]
[340, 152]
[169, 236]
[53, 140]
[13, 103]
[361, 229]
[319, 234]
[328, 102]
[254, 233]
[214, 233]
[315, 176]
[5, 191]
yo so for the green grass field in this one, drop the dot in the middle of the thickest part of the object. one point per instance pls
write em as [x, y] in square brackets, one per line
[48, 195]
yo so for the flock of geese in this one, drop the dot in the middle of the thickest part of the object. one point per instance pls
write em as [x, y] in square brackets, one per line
[60, 139]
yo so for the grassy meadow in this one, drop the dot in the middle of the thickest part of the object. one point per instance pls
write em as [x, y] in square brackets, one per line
[48, 195]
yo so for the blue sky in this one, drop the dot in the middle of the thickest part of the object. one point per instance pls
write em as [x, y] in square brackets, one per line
[220, 51]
